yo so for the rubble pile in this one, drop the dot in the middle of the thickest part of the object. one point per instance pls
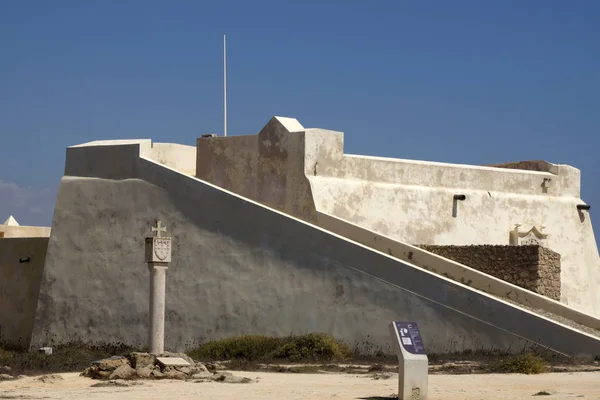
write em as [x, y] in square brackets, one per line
[148, 366]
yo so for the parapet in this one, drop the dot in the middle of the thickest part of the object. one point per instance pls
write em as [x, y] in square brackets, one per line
[532, 165]
[284, 144]
[117, 159]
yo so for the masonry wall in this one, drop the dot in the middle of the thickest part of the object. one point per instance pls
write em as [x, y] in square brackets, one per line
[242, 268]
[533, 268]
[21, 266]
[412, 201]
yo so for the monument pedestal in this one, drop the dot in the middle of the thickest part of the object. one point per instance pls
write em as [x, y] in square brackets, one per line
[413, 364]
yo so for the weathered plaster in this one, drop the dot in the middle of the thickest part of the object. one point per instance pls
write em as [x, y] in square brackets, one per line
[263, 167]
[176, 156]
[242, 268]
[412, 201]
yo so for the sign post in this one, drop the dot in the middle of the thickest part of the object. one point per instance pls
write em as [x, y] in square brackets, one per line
[158, 257]
[412, 361]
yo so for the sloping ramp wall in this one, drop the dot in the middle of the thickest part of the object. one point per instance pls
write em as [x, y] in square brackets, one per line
[454, 270]
[242, 268]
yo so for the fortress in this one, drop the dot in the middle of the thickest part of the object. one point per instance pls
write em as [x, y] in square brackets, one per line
[282, 233]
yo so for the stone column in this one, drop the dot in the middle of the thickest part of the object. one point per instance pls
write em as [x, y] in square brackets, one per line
[158, 257]
[158, 279]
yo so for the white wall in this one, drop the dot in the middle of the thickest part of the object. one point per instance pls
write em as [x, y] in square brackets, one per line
[176, 156]
[412, 201]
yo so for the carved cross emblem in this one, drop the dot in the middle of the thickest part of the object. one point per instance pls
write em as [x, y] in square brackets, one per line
[159, 229]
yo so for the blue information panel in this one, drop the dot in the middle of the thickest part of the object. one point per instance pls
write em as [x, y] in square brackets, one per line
[410, 338]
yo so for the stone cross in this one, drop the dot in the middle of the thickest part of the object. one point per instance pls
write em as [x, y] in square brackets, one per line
[158, 257]
[159, 229]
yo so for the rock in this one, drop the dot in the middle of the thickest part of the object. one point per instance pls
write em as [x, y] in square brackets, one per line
[185, 370]
[112, 363]
[383, 375]
[145, 372]
[237, 379]
[547, 392]
[103, 374]
[90, 372]
[204, 376]
[212, 367]
[174, 374]
[182, 355]
[141, 360]
[5, 368]
[157, 374]
[116, 383]
[22, 377]
[229, 378]
[199, 368]
[94, 372]
[50, 378]
[6, 377]
[122, 372]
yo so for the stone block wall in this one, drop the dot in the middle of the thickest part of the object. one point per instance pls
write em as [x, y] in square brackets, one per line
[533, 268]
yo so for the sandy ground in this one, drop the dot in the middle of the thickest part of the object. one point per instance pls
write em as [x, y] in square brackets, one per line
[313, 386]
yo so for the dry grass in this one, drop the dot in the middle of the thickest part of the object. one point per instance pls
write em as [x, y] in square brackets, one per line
[64, 358]
[312, 347]
[520, 364]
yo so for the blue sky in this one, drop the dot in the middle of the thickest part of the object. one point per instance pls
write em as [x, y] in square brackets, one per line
[473, 82]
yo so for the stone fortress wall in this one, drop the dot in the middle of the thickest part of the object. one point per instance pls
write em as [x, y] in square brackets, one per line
[532, 267]
[333, 274]
[305, 173]
[240, 267]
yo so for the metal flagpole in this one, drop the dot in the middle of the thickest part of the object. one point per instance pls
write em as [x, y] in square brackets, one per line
[224, 86]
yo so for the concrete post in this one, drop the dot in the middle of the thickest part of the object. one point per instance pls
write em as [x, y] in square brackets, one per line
[158, 257]
[412, 361]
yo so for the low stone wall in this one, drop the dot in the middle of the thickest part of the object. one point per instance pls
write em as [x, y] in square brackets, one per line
[533, 268]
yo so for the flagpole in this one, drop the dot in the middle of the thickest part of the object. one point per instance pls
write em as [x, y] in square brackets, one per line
[224, 86]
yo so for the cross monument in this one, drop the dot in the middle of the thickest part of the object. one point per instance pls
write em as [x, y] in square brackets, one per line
[158, 257]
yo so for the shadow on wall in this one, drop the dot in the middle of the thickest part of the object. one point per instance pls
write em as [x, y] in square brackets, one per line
[21, 267]
[290, 243]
